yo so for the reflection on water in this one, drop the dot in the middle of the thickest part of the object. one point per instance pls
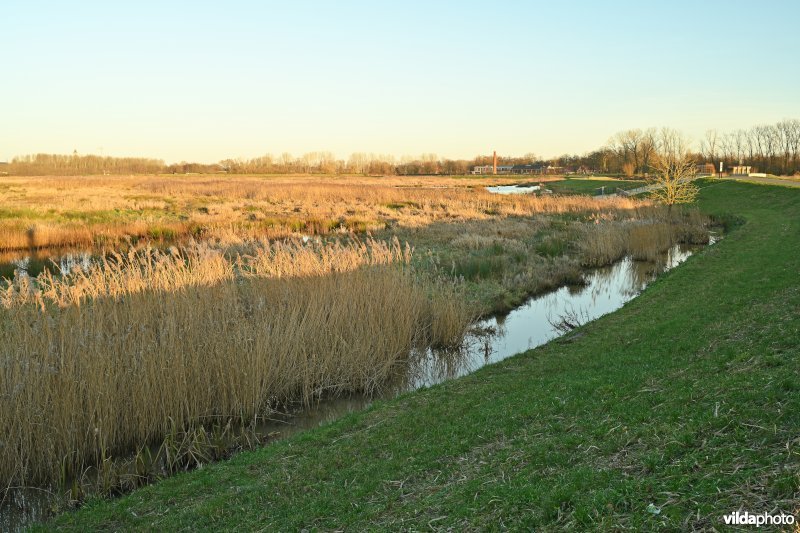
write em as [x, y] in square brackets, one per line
[491, 340]
[533, 323]
[494, 339]
[32, 265]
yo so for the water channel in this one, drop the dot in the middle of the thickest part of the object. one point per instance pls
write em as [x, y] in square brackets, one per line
[493, 339]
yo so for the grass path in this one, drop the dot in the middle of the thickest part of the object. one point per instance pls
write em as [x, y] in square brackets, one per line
[682, 406]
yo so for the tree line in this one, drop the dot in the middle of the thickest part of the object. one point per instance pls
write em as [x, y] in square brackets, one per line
[773, 149]
[365, 163]
[74, 165]
[309, 163]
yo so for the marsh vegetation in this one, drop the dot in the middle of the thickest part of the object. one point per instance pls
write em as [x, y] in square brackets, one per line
[104, 360]
[93, 211]
[149, 358]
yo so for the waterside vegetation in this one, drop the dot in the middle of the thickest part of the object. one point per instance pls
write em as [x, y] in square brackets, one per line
[668, 414]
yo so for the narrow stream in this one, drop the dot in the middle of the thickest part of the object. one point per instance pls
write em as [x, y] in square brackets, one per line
[491, 340]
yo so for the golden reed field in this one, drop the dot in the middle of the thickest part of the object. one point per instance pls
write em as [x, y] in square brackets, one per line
[38, 212]
[103, 361]
[154, 342]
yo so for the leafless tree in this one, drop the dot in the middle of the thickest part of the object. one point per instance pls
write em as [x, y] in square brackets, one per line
[648, 148]
[709, 145]
[627, 146]
[675, 170]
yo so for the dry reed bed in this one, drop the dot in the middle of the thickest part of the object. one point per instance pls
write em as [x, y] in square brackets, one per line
[58, 211]
[100, 362]
[644, 238]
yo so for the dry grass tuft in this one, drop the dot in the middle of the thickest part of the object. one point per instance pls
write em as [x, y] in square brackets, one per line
[602, 244]
[645, 237]
[649, 240]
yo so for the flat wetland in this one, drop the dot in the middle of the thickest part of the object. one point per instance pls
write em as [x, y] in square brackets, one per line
[183, 313]
[39, 212]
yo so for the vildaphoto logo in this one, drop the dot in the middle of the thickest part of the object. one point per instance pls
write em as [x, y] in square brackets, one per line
[744, 518]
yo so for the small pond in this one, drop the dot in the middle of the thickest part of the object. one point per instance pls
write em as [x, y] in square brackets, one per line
[513, 189]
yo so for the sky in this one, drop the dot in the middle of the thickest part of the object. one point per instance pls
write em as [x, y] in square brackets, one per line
[203, 81]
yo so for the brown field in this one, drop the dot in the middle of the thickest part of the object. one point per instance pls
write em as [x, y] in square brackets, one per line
[39, 212]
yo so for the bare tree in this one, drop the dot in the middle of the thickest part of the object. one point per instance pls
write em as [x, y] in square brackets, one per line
[709, 146]
[740, 142]
[783, 137]
[675, 170]
[627, 146]
[794, 141]
[727, 147]
[648, 148]
[358, 163]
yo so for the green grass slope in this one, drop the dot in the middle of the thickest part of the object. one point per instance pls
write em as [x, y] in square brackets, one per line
[679, 408]
[592, 187]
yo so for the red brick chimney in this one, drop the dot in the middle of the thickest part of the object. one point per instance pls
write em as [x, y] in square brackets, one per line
[494, 162]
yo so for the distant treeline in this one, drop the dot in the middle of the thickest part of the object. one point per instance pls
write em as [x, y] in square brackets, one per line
[364, 163]
[774, 149]
[73, 165]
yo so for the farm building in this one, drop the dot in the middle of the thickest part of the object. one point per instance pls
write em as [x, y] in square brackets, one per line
[706, 169]
[526, 169]
[488, 169]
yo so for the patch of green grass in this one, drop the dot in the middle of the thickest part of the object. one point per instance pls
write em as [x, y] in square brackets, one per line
[552, 246]
[7, 271]
[22, 213]
[162, 233]
[100, 216]
[480, 267]
[665, 415]
[401, 205]
[500, 264]
[143, 197]
[591, 187]
[727, 221]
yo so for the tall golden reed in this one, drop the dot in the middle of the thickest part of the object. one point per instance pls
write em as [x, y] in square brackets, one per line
[97, 363]
[644, 238]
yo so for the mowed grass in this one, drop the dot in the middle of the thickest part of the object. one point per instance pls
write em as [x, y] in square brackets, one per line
[679, 408]
[592, 186]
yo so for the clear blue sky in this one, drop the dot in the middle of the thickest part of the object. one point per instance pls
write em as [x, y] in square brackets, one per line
[208, 80]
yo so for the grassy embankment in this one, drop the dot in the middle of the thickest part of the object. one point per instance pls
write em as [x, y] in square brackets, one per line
[677, 409]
